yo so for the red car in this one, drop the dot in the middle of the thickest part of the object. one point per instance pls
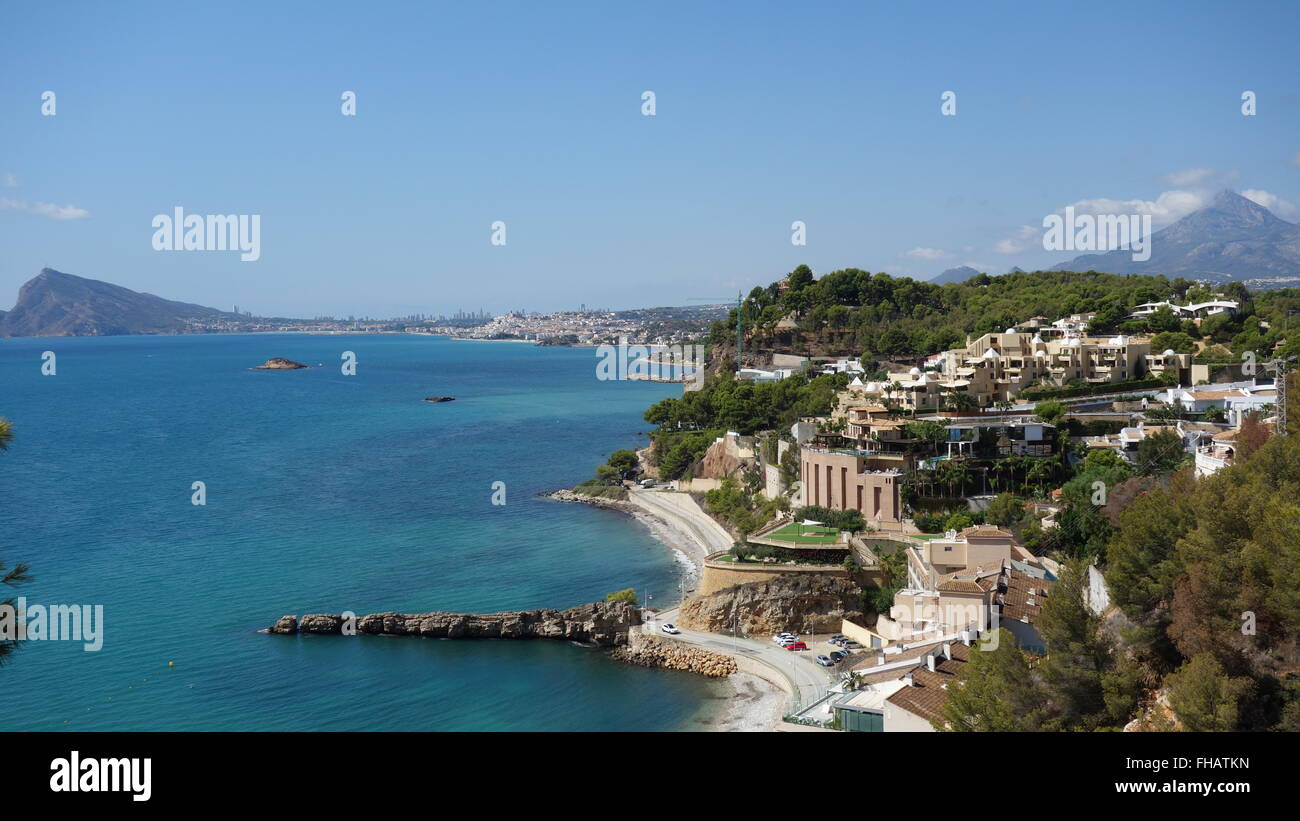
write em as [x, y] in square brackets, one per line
[796, 645]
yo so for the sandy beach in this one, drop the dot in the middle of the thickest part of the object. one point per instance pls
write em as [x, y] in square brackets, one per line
[752, 704]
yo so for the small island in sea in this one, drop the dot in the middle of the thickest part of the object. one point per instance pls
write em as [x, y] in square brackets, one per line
[279, 363]
[439, 399]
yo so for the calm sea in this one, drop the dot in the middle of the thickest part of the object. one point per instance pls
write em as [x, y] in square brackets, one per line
[325, 493]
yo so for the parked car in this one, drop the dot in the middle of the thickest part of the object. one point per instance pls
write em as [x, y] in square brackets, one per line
[838, 656]
[782, 638]
[796, 645]
[670, 628]
[838, 637]
[824, 661]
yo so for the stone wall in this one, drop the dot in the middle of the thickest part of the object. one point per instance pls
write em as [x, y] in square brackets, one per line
[716, 576]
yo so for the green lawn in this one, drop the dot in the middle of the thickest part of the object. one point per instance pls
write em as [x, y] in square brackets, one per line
[805, 534]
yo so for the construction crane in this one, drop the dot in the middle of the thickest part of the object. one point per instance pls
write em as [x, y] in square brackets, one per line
[740, 337]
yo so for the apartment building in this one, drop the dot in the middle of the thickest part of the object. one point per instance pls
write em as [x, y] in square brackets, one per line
[845, 479]
[996, 367]
[954, 582]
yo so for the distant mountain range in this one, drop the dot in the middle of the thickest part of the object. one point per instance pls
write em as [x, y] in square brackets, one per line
[58, 304]
[963, 273]
[1231, 239]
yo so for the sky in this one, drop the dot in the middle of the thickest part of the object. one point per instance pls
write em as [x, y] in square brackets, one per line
[531, 114]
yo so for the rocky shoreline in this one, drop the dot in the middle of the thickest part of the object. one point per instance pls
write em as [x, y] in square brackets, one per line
[566, 495]
[601, 624]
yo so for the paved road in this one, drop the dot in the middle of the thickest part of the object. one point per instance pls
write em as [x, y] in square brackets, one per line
[681, 510]
[799, 668]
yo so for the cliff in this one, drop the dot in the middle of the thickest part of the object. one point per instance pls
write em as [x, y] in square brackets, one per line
[57, 304]
[800, 604]
[604, 624]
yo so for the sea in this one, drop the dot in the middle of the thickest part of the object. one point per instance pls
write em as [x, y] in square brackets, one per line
[323, 492]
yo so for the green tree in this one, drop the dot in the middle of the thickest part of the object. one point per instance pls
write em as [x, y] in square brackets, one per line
[1160, 452]
[627, 596]
[1051, 411]
[624, 461]
[1005, 510]
[1142, 562]
[995, 692]
[1203, 697]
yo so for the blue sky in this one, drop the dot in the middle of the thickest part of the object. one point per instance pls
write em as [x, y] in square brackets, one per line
[530, 113]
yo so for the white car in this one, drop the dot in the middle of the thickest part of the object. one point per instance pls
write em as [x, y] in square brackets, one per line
[784, 638]
[670, 628]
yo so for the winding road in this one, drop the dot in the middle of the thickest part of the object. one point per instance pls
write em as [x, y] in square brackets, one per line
[809, 679]
[681, 510]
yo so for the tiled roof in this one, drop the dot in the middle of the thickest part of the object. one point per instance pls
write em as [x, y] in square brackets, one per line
[1021, 590]
[926, 696]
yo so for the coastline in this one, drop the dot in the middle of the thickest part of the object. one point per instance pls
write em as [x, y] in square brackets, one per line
[753, 705]
[749, 702]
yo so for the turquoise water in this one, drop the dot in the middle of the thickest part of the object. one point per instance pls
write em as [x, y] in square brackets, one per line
[325, 493]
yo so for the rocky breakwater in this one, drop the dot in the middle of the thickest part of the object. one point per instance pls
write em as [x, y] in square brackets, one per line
[652, 651]
[801, 604]
[603, 624]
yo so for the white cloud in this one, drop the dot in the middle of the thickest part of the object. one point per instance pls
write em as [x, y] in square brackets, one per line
[44, 209]
[1016, 243]
[1170, 206]
[10, 180]
[1296, 159]
[929, 253]
[1284, 209]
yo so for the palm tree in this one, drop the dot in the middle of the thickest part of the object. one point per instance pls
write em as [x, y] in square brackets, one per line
[956, 400]
[1039, 471]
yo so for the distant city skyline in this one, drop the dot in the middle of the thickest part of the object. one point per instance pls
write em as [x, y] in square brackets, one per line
[532, 118]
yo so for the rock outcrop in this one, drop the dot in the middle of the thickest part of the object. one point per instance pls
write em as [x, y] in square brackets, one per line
[718, 463]
[604, 624]
[800, 604]
[652, 651]
[439, 399]
[279, 363]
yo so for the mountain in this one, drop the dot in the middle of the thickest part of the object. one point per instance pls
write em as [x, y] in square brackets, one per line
[57, 304]
[1230, 239]
[959, 274]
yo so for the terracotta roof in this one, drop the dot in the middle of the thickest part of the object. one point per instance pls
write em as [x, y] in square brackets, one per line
[984, 530]
[926, 696]
[955, 585]
[1020, 588]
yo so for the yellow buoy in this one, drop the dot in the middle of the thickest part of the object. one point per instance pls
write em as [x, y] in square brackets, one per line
[171, 664]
